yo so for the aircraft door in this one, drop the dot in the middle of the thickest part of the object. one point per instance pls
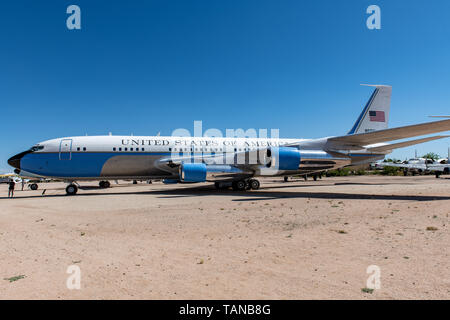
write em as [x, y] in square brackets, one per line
[65, 149]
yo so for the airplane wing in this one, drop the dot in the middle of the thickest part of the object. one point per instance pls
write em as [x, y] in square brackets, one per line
[393, 146]
[356, 141]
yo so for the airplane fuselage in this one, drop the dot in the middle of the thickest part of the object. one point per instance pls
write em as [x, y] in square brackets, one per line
[149, 157]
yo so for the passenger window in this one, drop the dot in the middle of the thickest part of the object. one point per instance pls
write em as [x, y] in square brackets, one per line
[125, 149]
[131, 149]
[114, 149]
[170, 149]
[84, 149]
[78, 149]
[143, 149]
[120, 149]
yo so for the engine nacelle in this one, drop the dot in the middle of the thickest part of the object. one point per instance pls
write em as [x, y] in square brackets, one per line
[193, 172]
[283, 158]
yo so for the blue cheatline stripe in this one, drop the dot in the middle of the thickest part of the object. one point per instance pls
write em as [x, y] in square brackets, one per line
[81, 164]
[363, 113]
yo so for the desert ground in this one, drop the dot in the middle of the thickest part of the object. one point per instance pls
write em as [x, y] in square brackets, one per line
[294, 240]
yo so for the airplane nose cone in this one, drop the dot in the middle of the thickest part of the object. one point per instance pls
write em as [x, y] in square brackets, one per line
[15, 160]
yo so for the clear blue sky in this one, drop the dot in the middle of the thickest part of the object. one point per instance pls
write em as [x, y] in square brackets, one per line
[147, 66]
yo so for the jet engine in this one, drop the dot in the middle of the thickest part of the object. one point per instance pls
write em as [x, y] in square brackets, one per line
[193, 172]
[283, 158]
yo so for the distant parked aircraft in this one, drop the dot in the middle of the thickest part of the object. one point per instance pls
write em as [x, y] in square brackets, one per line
[420, 165]
[7, 177]
[20, 175]
[414, 165]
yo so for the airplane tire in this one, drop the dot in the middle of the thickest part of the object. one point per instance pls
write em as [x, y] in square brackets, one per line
[33, 186]
[239, 185]
[254, 184]
[71, 189]
[315, 177]
[286, 178]
[104, 184]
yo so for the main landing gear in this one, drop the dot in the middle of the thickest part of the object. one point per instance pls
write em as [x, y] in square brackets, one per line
[72, 188]
[254, 184]
[239, 185]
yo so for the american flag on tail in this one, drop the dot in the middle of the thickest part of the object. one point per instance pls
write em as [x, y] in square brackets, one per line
[377, 116]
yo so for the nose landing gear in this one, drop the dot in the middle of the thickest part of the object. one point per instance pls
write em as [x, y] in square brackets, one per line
[104, 184]
[71, 189]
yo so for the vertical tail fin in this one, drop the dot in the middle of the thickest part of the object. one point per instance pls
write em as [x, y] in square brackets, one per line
[375, 115]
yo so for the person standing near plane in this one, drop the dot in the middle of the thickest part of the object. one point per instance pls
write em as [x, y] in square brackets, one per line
[12, 184]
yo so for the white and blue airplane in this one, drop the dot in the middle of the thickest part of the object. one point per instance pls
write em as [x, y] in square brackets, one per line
[229, 162]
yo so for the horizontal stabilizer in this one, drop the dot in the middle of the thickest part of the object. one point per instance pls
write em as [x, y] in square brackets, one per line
[393, 146]
[364, 139]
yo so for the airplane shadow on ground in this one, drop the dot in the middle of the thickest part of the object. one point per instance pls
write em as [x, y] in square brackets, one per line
[262, 194]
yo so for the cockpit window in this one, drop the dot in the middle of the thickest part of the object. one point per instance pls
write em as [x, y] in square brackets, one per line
[36, 148]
